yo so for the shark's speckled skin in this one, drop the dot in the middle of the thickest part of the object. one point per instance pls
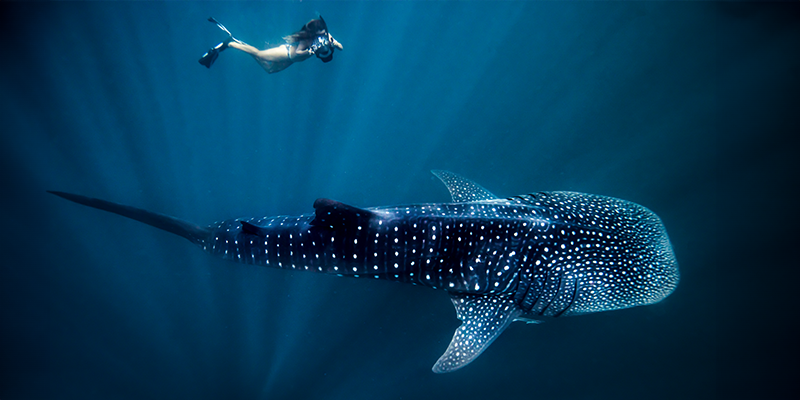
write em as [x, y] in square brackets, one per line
[500, 260]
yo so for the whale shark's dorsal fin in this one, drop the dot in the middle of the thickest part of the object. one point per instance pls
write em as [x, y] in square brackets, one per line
[483, 318]
[251, 229]
[335, 215]
[462, 189]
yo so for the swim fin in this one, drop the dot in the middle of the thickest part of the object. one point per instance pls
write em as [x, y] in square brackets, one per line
[224, 29]
[212, 54]
[209, 58]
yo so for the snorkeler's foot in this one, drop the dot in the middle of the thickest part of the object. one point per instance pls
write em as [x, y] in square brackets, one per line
[227, 43]
[223, 45]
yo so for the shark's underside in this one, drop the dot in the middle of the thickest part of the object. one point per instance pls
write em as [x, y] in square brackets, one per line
[500, 260]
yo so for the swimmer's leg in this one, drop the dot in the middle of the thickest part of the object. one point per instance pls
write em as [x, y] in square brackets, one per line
[272, 60]
[274, 54]
[253, 51]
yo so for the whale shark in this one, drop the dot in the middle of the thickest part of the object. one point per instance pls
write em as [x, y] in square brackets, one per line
[521, 258]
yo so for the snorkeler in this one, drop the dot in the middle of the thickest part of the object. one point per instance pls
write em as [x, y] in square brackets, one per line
[312, 39]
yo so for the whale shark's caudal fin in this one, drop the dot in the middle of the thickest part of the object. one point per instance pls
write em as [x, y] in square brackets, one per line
[195, 233]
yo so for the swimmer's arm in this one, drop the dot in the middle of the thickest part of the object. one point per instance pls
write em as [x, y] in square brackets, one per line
[335, 43]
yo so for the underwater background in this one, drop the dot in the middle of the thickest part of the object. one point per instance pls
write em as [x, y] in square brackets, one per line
[690, 109]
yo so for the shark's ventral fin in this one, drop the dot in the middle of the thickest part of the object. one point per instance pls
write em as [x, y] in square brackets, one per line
[335, 215]
[462, 189]
[484, 318]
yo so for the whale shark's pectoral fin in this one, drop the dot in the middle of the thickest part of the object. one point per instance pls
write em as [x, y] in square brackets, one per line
[484, 318]
[462, 189]
[335, 215]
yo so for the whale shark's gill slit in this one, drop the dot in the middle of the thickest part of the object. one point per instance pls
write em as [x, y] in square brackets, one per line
[538, 293]
[555, 295]
[531, 296]
[571, 300]
[520, 289]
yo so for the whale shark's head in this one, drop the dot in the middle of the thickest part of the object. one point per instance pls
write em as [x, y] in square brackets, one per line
[659, 263]
[650, 270]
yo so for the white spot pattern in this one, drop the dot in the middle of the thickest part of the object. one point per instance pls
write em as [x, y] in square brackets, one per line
[549, 253]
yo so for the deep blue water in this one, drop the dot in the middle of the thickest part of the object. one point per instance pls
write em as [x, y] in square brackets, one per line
[688, 109]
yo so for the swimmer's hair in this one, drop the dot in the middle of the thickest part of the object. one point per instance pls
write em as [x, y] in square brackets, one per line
[312, 29]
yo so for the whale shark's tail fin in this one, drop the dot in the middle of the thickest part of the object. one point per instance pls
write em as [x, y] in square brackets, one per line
[195, 233]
